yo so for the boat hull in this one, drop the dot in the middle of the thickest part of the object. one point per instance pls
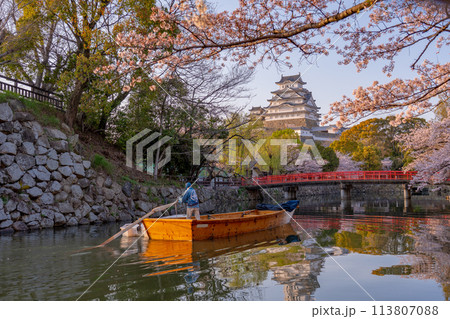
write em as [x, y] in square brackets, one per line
[215, 226]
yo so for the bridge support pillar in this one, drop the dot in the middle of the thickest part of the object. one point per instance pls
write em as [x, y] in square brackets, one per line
[255, 194]
[346, 198]
[407, 204]
[290, 192]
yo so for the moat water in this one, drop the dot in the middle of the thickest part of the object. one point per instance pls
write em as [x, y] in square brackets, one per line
[375, 251]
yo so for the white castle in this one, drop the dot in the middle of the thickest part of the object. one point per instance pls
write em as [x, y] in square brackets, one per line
[292, 106]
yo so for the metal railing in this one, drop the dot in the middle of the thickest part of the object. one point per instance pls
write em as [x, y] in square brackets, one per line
[31, 92]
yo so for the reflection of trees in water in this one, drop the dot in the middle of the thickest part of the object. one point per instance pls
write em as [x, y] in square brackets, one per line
[240, 270]
[296, 266]
[293, 265]
[431, 258]
[181, 270]
[364, 235]
[424, 241]
[373, 203]
[373, 243]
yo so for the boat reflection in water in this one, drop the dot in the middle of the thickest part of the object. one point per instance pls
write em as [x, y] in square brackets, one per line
[182, 255]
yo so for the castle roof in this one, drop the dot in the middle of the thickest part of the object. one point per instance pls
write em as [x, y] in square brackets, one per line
[303, 100]
[314, 108]
[274, 116]
[286, 90]
[290, 104]
[277, 98]
[291, 78]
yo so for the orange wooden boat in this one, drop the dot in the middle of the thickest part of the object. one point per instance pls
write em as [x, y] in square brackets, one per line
[215, 226]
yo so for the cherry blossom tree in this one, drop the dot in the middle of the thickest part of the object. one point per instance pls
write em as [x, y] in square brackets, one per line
[265, 29]
[270, 30]
[346, 163]
[307, 165]
[430, 149]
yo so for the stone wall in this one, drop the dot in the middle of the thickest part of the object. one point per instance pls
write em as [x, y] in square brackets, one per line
[43, 183]
[385, 189]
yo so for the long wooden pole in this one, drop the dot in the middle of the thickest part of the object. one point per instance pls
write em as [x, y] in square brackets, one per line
[154, 210]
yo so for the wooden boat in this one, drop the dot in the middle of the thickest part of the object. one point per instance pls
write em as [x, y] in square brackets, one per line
[171, 256]
[215, 226]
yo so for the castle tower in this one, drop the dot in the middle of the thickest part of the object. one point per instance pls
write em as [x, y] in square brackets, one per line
[291, 105]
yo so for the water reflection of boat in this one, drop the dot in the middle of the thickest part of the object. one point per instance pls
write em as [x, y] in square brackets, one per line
[167, 254]
[216, 226]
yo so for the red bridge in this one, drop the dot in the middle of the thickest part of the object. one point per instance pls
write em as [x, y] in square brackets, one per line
[346, 180]
[330, 178]
[290, 183]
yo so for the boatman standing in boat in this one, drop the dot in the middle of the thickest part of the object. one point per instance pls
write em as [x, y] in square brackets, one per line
[190, 197]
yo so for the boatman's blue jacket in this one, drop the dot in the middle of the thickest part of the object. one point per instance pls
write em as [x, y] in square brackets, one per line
[190, 197]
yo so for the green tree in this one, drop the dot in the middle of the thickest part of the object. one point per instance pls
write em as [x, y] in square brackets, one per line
[329, 155]
[241, 129]
[271, 152]
[370, 156]
[62, 43]
[374, 139]
[157, 111]
[29, 51]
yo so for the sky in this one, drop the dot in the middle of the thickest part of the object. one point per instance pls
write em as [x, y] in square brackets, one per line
[326, 79]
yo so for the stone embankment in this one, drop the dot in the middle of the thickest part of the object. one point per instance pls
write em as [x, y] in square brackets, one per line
[44, 183]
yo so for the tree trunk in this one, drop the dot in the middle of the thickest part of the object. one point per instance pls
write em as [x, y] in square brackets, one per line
[74, 102]
[106, 115]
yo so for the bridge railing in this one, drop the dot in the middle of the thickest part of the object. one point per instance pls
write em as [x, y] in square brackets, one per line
[330, 176]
